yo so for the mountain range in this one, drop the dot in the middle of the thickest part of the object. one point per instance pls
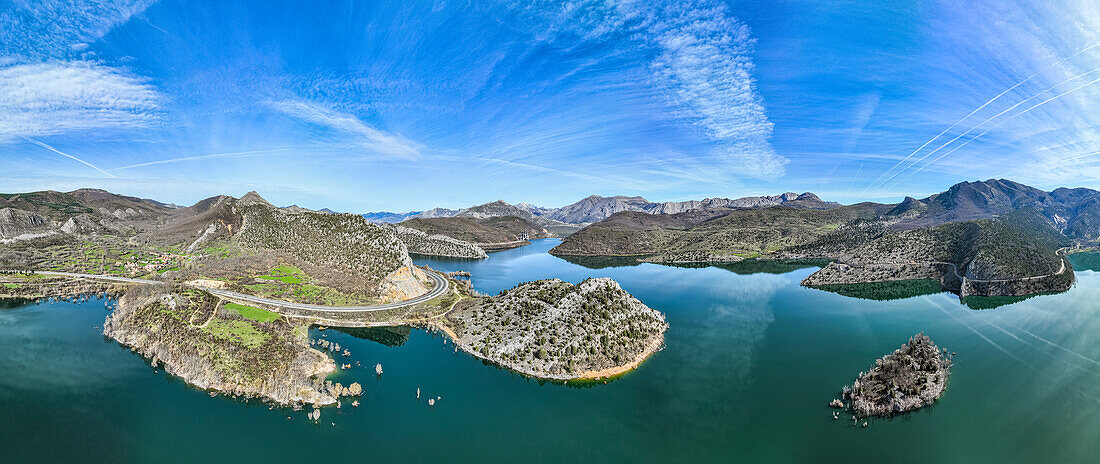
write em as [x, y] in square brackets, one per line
[993, 237]
[596, 208]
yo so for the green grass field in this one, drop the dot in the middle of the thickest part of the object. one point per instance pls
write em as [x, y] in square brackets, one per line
[249, 312]
[239, 331]
[292, 284]
[285, 274]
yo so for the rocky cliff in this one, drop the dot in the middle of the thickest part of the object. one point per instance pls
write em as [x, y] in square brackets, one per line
[421, 243]
[214, 350]
[15, 223]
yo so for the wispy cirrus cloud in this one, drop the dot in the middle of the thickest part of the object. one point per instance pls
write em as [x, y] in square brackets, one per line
[704, 60]
[700, 56]
[46, 89]
[58, 97]
[347, 125]
[55, 28]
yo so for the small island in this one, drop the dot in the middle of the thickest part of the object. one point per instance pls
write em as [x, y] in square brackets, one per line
[555, 330]
[913, 376]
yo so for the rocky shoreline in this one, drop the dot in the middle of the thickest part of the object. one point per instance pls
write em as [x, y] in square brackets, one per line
[421, 243]
[912, 377]
[270, 361]
[30, 286]
[557, 331]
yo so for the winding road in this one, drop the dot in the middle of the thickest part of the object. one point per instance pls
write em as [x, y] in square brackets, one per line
[441, 286]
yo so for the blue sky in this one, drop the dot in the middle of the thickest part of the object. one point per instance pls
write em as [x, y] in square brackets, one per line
[386, 105]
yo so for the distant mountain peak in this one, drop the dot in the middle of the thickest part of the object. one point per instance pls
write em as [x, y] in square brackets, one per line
[595, 208]
[253, 198]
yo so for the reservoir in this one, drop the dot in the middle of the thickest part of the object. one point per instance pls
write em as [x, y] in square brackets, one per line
[750, 363]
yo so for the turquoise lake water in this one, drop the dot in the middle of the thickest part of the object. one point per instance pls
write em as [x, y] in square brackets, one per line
[750, 363]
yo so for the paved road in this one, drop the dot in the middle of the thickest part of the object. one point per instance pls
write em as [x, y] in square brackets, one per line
[441, 286]
[99, 277]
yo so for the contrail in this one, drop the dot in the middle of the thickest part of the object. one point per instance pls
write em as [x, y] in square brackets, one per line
[972, 329]
[215, 155]
[949, 142]
[1010, 334]
[1017, 358]
[854, 178]
[1060, 347]
[1009, 119]
[69, 156]
[987, 103]
[1086, 155]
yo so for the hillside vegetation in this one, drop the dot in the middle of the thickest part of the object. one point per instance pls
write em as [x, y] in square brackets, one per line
[492, 232]
[709, 235]
[422, 243]
[553, 329]
[233, 240]
[978, 238]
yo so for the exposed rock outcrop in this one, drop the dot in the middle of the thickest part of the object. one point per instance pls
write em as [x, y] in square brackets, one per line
[555, 330]
[911, 377]
[421, 243]
[204, 348]
[15, 222]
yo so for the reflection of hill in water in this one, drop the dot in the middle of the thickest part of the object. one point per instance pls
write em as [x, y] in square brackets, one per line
[900, 289]
[600, 262]
[883, 291]
[1087, 261]
[12, 303]
[389, 336]
[990, 302]
[745, 267]
[764, 266]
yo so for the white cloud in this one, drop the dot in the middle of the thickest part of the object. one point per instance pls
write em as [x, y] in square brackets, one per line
[55, 28]
[361, 133]
[58, 97]
[701, 57]
[1024, 93]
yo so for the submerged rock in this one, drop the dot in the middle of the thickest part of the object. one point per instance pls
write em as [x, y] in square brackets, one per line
[911, 377]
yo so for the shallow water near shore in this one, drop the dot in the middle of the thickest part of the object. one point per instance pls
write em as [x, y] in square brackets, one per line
[750, 364]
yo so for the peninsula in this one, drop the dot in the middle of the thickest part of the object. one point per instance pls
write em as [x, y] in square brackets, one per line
[555, 330]
[222, 293]
[991, 238]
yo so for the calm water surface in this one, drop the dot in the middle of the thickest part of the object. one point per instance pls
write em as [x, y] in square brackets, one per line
[750, 364]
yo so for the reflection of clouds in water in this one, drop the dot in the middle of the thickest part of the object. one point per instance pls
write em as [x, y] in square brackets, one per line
[742, 313]
[56, 355]
[1055, 338]
[755, 288]
[709, 351]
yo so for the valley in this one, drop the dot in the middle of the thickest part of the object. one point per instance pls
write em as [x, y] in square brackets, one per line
[262, 275]
[222, 293]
